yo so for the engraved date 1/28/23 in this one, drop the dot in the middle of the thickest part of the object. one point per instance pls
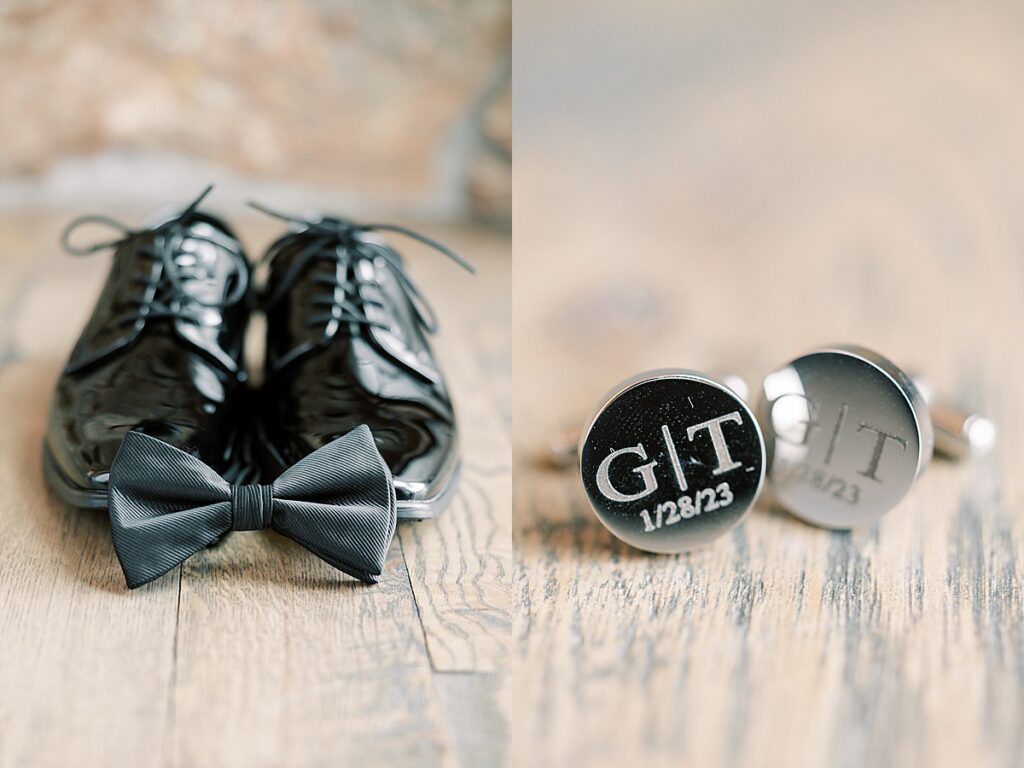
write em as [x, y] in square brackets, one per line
[685, 507]
[819, 480]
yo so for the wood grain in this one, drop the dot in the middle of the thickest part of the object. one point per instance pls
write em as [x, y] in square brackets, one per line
[466, 604]
[321, 667]
[81, 656]
[254, 652]
[707, 186]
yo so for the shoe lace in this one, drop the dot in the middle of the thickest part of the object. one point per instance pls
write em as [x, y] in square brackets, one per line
[164, 295]
[339, 241]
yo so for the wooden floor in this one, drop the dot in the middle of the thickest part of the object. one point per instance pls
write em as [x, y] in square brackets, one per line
[254, 653]
[715, 186]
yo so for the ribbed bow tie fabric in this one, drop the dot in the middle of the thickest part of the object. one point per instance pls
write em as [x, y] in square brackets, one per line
[166, 505]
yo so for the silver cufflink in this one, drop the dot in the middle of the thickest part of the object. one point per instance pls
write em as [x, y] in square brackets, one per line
[848, 433]
[671, 460]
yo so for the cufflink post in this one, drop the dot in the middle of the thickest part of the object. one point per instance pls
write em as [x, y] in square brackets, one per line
[958, 435]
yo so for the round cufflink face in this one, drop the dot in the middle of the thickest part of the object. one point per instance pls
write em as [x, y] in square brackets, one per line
[672, 460]
[847, 434]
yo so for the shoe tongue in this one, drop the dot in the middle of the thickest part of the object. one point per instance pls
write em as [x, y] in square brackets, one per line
[206, 270]
[204, 265]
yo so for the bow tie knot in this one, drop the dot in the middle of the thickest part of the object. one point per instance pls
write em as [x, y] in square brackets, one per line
[252, 507]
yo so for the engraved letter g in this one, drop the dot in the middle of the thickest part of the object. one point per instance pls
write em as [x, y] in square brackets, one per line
[646, 471]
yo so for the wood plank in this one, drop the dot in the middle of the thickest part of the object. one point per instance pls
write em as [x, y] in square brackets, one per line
[87, 666]
[283, 660]
[461, 562]
[475, 716]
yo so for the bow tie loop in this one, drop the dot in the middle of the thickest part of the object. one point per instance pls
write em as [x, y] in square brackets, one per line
[252, 507]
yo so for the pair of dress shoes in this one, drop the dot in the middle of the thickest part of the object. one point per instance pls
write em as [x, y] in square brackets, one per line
[162, 354]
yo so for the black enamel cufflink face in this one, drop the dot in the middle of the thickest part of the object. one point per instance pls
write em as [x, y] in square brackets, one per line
[848, 433]
[672, 460]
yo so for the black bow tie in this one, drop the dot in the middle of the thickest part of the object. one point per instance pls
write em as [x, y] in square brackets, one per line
[166, 505]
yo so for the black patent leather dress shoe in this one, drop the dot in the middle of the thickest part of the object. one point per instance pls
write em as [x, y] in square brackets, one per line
[161, 354]
[347, 345]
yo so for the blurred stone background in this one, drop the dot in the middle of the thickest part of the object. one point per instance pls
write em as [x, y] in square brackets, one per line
[360, 105]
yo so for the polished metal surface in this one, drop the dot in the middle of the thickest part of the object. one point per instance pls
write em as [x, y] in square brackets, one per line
[962, 435]
[847, 434]
[672, 460]
[959, 434]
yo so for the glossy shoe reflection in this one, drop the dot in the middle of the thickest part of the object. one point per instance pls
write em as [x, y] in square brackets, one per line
[347, 345]
[161, 354]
